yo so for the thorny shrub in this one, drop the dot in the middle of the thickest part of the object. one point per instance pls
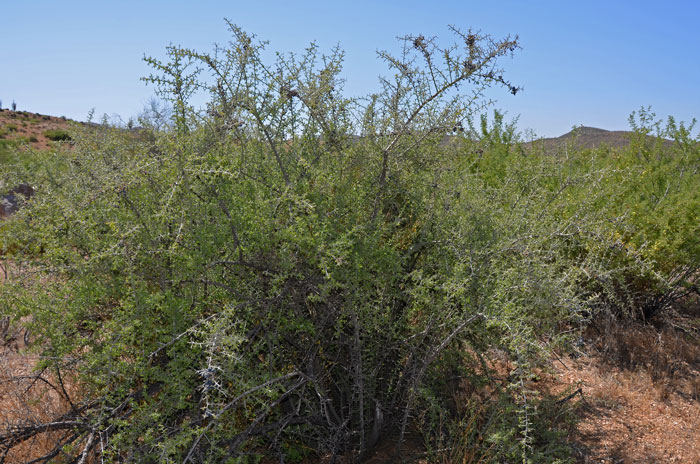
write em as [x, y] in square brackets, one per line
[289, 272]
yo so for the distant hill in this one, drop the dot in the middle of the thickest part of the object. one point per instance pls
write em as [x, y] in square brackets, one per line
[585, 137]
[591, 137]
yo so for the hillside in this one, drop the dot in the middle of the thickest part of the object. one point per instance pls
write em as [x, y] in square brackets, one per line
[36, 130]
[589, 137]
[584, 137]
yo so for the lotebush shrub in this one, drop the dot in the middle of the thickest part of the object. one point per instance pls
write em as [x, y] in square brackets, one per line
[297, 274]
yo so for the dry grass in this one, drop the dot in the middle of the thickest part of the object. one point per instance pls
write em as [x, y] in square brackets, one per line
[24, 400]
[640, 386]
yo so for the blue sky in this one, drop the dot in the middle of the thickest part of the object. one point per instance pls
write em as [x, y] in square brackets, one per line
[582, 63]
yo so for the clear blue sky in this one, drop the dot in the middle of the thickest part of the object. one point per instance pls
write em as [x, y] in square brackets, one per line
[583, 63]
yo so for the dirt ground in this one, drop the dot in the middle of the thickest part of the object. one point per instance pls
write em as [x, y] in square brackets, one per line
[640, 400]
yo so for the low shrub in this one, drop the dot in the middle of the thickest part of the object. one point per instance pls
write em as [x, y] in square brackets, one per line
[7, 143]
[57, 135]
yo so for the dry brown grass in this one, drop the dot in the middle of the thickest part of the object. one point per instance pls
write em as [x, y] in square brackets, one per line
[640, 384]
[668, 353]
[24, 400]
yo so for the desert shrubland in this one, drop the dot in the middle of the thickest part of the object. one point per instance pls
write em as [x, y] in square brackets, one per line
[289, 272]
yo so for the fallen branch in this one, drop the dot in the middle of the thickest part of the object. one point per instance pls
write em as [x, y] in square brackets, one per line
[578, 391]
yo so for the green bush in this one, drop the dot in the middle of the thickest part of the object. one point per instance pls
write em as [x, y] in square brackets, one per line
[8, 143]
[294, 273]
[57, 135]
[661, 204]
